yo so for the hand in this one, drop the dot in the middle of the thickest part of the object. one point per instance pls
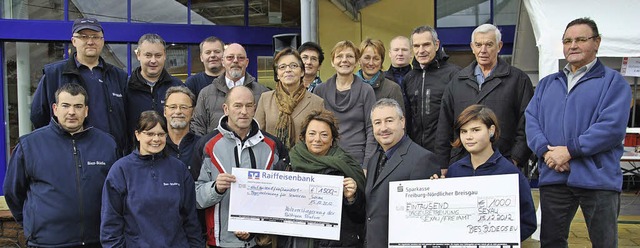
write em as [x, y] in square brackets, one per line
[435, 176]
[443, 172]
[350, 188]
[563, 167]
[223, 182]
[242, 235]
[557, 156]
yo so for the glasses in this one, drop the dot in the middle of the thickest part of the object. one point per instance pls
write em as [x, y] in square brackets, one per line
[231, 58]
[88, 37]
[152, 134]
[578, 40]
[283, 67]
[173, 107]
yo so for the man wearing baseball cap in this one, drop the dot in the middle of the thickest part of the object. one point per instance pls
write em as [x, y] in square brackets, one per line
[104, 82]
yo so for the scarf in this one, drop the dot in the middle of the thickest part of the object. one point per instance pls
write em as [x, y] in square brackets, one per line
[304, 161]
[287, 102]
[371, 81]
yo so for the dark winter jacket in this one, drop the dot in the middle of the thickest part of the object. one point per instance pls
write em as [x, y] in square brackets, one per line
[499, 165]
[397, 74]
[197, 82]
[54, 182]
[142, 97]
[107, 103]
[185, 150]
[423, 89]
[507, 91]
[149, 201]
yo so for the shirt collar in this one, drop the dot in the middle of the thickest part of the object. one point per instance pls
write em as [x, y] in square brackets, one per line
[231, 83]
[585, 68]
[393, 149]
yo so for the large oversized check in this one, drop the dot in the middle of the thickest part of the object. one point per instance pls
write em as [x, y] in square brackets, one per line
[455, 212]
[286, 203]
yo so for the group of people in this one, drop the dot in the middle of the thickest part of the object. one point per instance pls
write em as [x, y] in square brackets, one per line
[149, 164]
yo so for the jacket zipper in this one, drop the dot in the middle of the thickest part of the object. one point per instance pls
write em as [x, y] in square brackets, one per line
[78, 166]
[424, 72]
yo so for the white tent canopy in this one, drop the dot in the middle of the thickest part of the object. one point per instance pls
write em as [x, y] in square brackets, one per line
[617, 22]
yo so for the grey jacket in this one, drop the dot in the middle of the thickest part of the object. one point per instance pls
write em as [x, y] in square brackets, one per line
[208, 110]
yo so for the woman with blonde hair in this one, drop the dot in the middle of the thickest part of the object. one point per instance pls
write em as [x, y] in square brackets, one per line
[350, 99]
[370, 72]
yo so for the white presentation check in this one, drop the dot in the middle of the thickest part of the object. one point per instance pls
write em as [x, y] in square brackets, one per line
[286, 203]
[480, 211]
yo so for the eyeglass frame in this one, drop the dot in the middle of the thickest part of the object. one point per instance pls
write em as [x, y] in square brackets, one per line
[231, 58]
[175, 107]
[85, 37]
[152, 134]
[578, 40]
[292, 66]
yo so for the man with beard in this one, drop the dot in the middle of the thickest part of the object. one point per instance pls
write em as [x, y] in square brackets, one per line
[211, 50]
[209, 105]
[178, 110]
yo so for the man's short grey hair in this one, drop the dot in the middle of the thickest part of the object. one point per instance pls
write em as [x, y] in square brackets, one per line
[388, 102]
[487, 28]
[151, 38]
[425, 28]
[180, 89]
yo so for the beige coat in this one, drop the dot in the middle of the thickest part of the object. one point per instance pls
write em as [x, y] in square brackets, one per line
[267, 111]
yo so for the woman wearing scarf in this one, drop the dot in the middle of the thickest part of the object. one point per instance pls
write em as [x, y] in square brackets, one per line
[281, 111]
[350, 99]
[318, 152]
[371, 71]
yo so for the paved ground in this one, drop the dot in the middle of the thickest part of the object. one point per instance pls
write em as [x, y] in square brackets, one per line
[628, 224]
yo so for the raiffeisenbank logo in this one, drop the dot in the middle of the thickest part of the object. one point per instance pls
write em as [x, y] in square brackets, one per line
[255, 175]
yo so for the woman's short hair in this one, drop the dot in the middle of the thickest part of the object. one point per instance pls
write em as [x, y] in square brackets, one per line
[377, 46]
[310, 45]
[282, 53]
[323, 116]
[474, 112]
[342, 45]
[148, 120]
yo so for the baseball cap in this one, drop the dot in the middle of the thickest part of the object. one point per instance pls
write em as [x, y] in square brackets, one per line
[86, 23]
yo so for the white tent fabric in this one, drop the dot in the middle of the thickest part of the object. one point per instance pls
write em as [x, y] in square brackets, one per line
[617, 22]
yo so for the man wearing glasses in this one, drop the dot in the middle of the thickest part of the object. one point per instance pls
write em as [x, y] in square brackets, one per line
[105, 83]
[209, 104]
[576, 122]
[178, 110]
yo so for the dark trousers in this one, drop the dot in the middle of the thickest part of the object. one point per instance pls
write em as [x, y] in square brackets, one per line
[559, 204]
